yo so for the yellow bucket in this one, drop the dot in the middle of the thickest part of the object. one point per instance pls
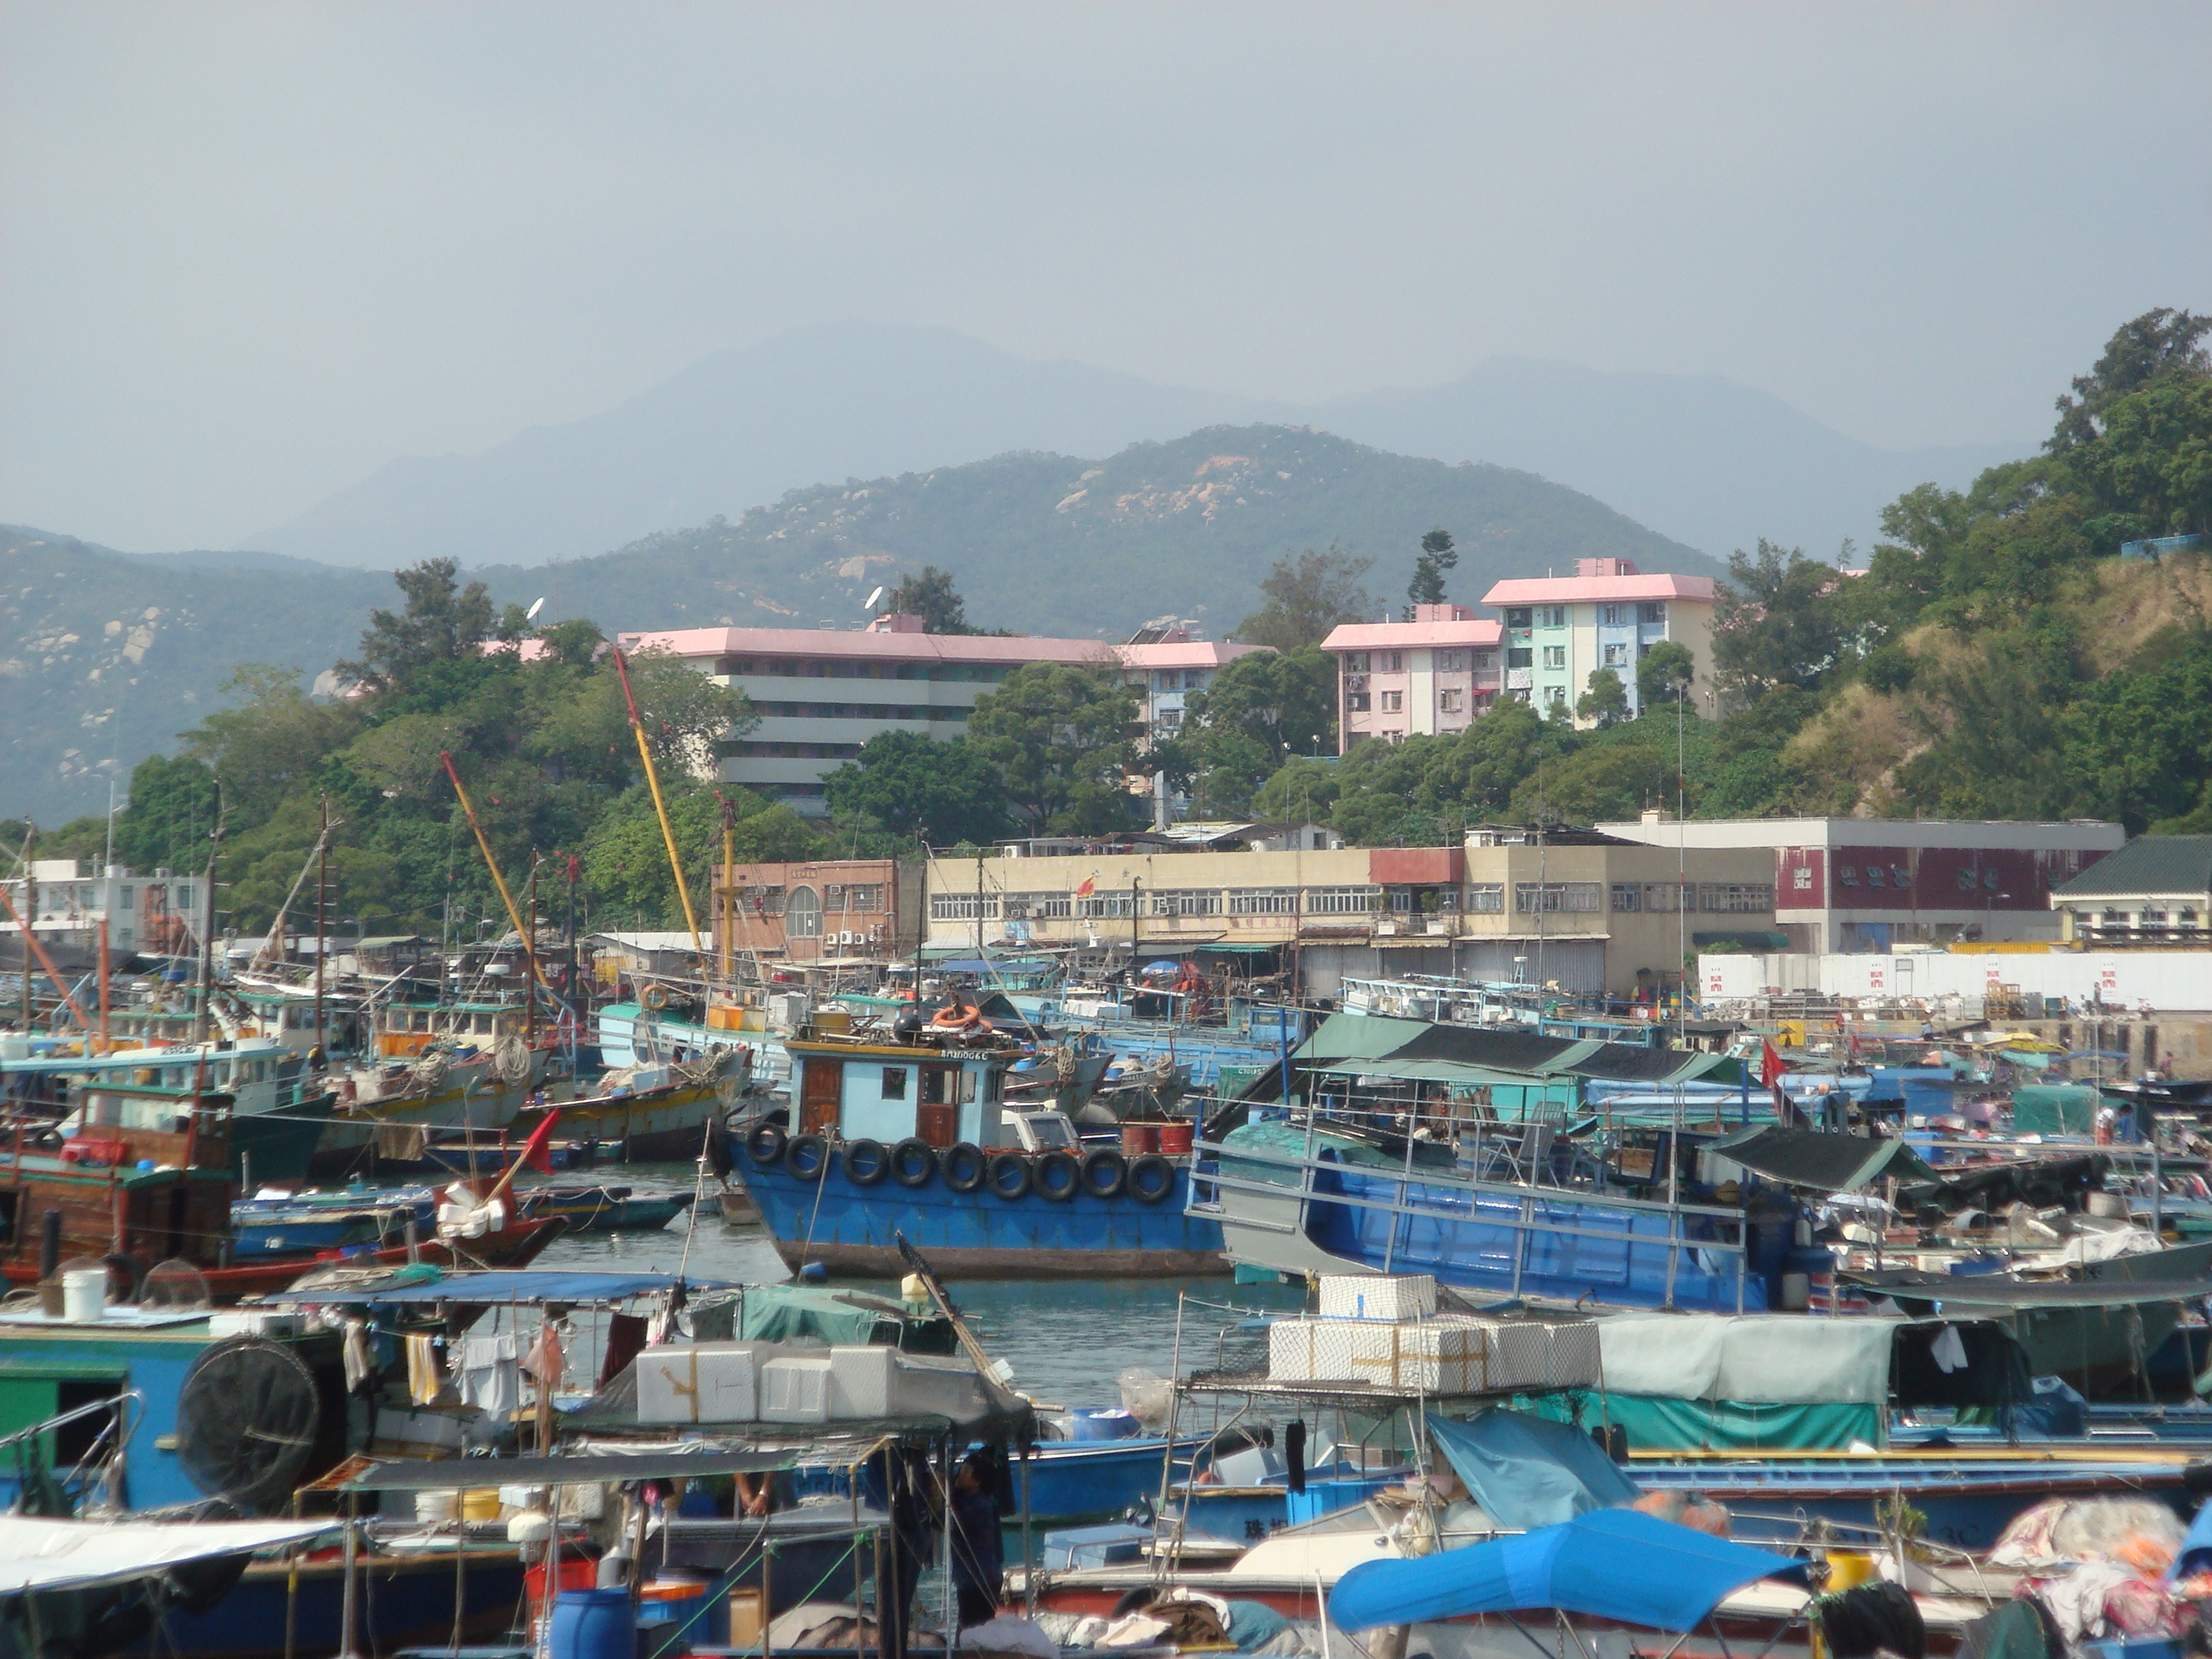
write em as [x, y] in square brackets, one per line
[1848, 1568]
[480, 1504]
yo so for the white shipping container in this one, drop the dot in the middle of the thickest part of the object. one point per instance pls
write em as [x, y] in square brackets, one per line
[796, 1389]
[1378, 1296]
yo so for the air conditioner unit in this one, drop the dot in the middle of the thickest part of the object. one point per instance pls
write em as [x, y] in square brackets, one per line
[845, 939]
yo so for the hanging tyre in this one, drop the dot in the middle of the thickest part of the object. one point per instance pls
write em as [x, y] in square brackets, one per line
[1057, 1175]
[1010, 1175]
[764, 1145]
[864, 1161]
[1151, 1178]
[913, 1163]
[964, 1167]
[807, 1155]
[1104, 1174]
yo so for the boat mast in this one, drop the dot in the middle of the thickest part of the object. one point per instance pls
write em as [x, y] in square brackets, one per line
[529, 956]
[207, 932]
[660, 806]
[492, 865]
[30, 914]
[322, 906]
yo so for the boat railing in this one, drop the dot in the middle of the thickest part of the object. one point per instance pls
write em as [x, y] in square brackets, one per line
[1517, 1204]
[107, 1444]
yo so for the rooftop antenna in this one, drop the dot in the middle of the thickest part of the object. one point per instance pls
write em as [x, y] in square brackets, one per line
[536, 605]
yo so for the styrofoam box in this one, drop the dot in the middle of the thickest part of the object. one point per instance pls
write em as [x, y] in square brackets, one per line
[1452, 1354]
[796, 1389]
[1378, 1296]
[863, 1380]
[701, 1382]
[255, 1321]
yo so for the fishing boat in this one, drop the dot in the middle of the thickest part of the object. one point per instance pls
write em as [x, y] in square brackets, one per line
[906, 1136]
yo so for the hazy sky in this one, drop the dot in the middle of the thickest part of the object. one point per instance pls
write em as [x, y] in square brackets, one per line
[248, 253]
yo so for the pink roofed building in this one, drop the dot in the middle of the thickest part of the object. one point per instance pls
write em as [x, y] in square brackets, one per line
[1434, 674]
[821, 694]
[1559, 631]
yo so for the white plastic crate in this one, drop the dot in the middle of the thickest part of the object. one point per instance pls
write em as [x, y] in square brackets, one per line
[796, 1389]
[1378, 1296]
[700, 1382]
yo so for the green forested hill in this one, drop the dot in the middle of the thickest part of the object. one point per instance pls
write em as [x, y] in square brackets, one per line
[105, 657]
[1052, 544]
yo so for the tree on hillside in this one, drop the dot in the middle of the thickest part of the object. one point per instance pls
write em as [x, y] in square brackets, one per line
[1779, 621]
[1060, 737]
[1605, 702]
[1437, 557]
[1283, 700]
[931, 596]
[921, 789]
[279, 737]
[442, 622]
[1307, 596]
[2151, 348]
[1664, 674]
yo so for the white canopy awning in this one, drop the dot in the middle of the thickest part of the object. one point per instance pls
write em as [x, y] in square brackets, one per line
[40, 1553]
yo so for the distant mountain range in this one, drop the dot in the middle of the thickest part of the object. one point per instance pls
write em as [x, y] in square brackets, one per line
[105, 657]
[1709, 463]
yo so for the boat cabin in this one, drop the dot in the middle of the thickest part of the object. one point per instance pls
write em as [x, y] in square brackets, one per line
[143, 1171]
[891, 1092]
[404, 1030]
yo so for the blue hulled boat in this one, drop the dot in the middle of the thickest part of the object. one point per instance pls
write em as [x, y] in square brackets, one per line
[908, 1136]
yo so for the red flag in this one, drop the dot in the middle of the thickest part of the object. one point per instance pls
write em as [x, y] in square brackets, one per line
[1771, 1068]
[538, 1150]
[1086, 887]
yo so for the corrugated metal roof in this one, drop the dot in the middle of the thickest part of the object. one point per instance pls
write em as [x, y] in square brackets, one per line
[2148, 863]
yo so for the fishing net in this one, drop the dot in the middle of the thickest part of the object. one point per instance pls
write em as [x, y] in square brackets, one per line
[246, 1422]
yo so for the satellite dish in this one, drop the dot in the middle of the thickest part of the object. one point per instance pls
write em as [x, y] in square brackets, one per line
[870, 602]
[537, 605]
[246, 1420]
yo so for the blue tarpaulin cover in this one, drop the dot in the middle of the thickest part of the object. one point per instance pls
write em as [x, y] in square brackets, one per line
[2195, 1551]
[1614, 1564]
[1526, 1473]
[531, 1285]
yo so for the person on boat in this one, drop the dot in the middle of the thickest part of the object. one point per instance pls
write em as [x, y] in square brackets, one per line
[979, 1566]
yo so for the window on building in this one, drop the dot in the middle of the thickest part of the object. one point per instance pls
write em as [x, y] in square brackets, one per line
[183, 897]
[1355, 662]
[1555, 694]
[1520, 656]
[1448, 662]
[1342, 901]
[1168, 719]
[1614, 656]
[1039, 906]
[1877, 875]
[1355, 703]
[1555, 656]
[1263, 902]
[1989, 878]
[1193, 902]
[1628, 896]
[1448, 700]
[1483, 659]
[1801, 879]
[1736, 898]
[1390, 662]
[1653, 611]
[1485, 898]
[1579, 897]
[864, 896]
[959, 907]
[1613, 616]
[124, 902]
[1551, 615]
[802, 913]
[1661, 897]
[1517, 616]
[1847, 875]
[1096, 905]
[1899, 877]
[1393, 701]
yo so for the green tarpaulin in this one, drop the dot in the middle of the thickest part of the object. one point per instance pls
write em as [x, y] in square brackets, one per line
[2054, 1108]
[1824, 1162]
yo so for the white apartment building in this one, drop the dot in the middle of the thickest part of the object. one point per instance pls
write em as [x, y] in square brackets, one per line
[1437, 673]
[162, 912]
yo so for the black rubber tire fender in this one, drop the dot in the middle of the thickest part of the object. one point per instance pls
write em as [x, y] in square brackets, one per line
[964, 1167]
[807, 1155]
[764, 1145]
[865, 1162]
[1009, 1175]
[1104, 1172]
[1057, 1175]
[1151, 1178]
[914, 1162]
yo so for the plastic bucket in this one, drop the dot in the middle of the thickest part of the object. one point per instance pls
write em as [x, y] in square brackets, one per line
[1174, 1140]
[577, 1573]
[481, 1503]
[593, 1623]
[1138, 1138]
[84, 1293]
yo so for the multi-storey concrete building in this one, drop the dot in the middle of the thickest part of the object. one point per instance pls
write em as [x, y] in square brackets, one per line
[1433, 674]
[836, 913]
[68, 901]
[821, 694]
[1163, 663]
[1559, 631]
[1592, 913]
[1845, 885]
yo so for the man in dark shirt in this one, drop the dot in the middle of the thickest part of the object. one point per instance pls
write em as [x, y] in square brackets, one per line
[978, 1552]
